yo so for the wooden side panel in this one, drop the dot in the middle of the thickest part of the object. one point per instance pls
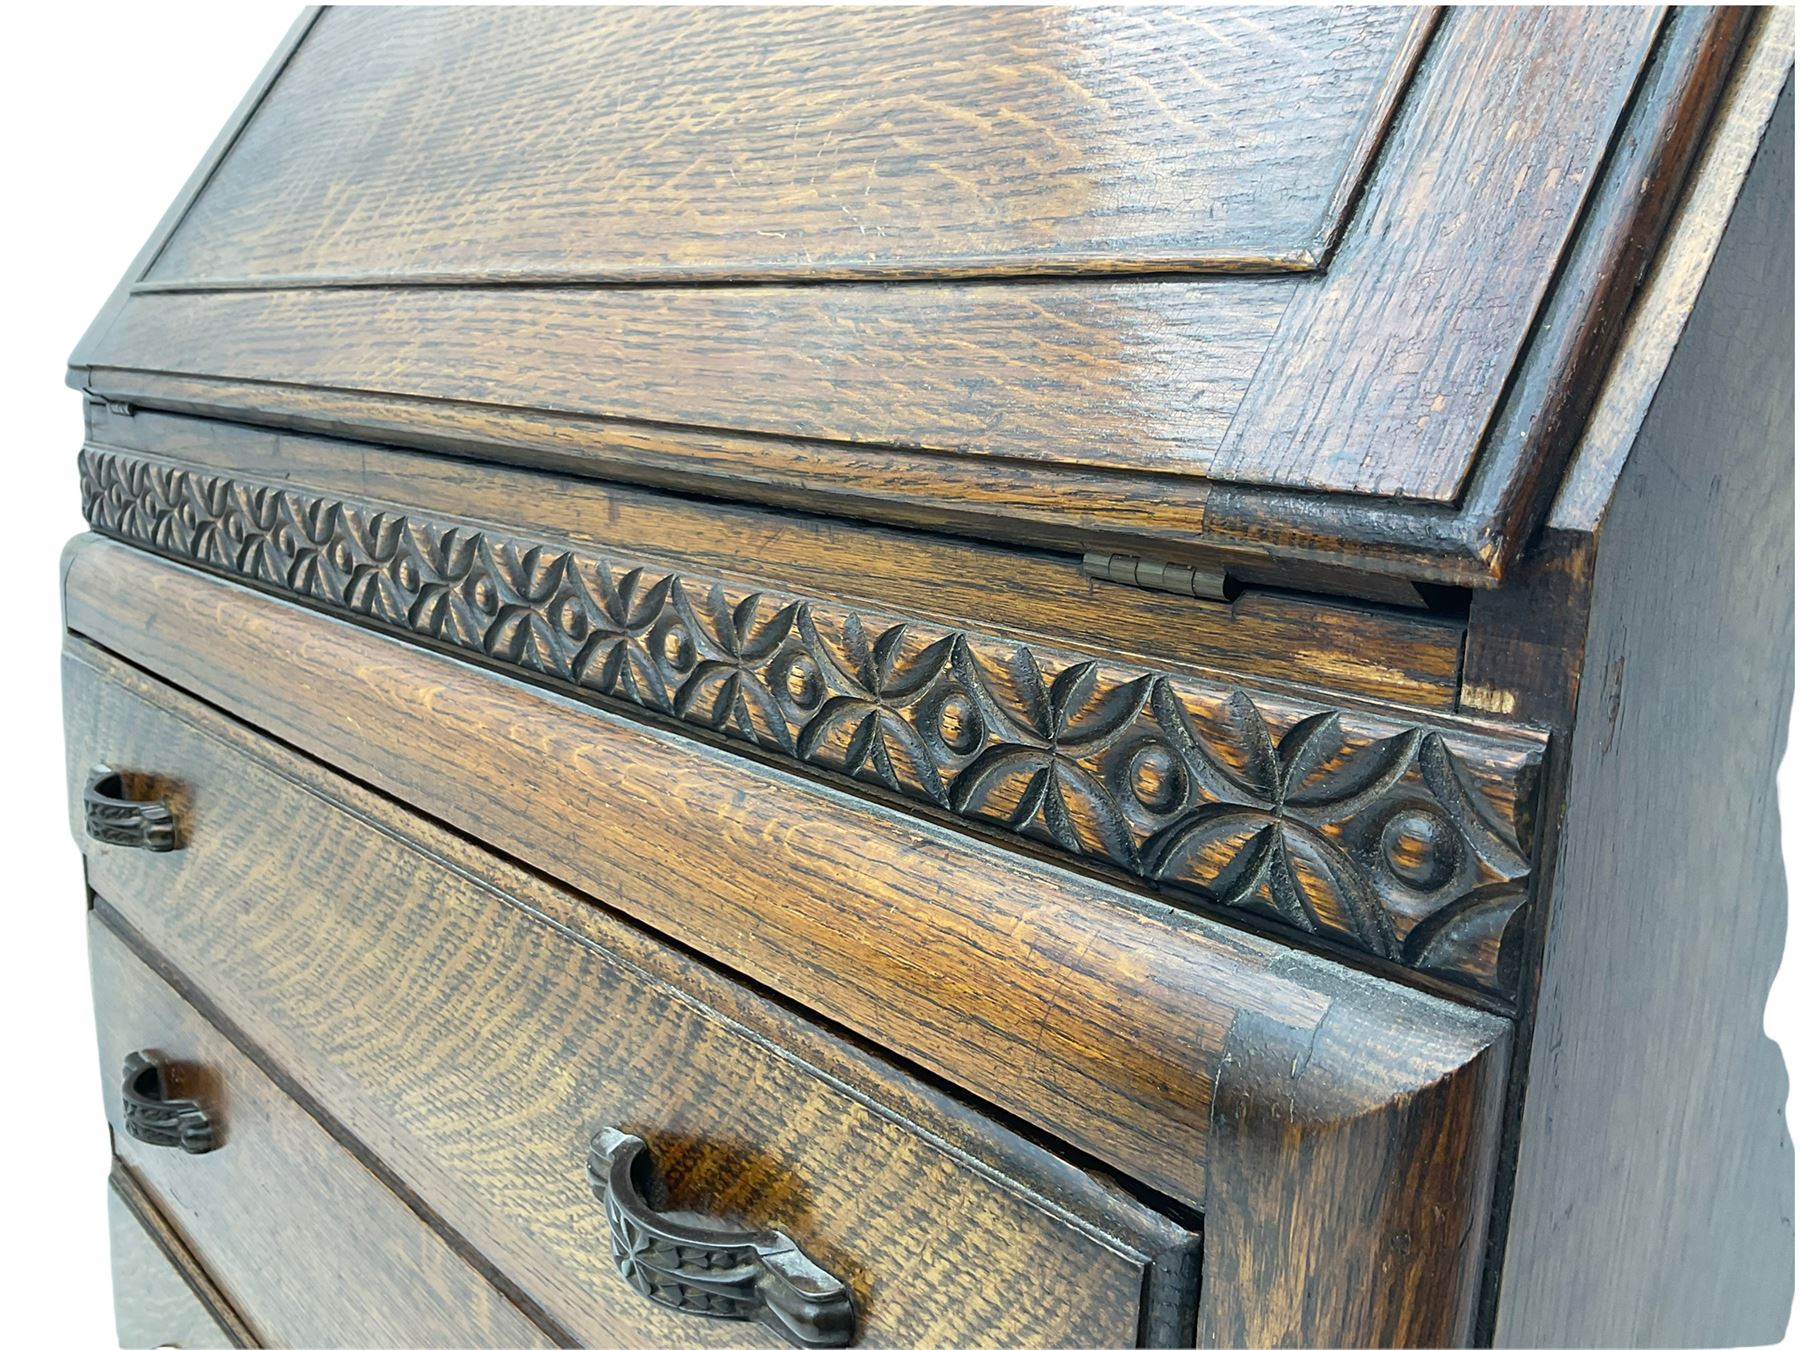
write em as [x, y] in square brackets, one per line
[1655, 1195]
[308, 1245]
[703, 144]
[161, 1297]
[476, 1027]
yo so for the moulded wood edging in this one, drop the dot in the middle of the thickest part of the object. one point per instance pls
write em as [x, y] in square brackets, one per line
[1404, 839]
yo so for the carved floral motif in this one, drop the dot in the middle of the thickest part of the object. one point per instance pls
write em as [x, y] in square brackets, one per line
[1407, 842]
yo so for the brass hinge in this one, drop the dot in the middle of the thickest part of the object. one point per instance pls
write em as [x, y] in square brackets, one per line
[1203, 583]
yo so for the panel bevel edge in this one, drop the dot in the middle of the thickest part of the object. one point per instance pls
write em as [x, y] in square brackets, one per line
[190, 191]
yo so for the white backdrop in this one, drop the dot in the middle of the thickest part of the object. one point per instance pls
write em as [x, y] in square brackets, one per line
[108, 108]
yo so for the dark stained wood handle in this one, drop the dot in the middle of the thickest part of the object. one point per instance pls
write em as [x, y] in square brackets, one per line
[115, 818]
[685, 1263]
[153, 1117]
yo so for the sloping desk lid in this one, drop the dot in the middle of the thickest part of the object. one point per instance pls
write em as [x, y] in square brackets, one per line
[1289, 286]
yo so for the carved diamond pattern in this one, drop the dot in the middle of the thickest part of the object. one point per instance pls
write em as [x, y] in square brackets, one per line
[1409, 843]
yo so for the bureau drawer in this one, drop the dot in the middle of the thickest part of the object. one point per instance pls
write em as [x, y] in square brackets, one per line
[1328, 1122]
[309, 1247]
[480, 1030]
[161, 1296]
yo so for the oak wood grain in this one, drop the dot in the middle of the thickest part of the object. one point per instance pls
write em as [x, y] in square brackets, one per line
[475, 1028]
[1662, 309]
[786, 895]
[1385, 372]
[1392, 1120]
[703, 144]
[1410, 658]
[280, 1215]
[1134, 375]
[161, 1296]
[1654, 1198]
[1074, 414]
[1304, 1244]
[1405, 842]
[197, 181]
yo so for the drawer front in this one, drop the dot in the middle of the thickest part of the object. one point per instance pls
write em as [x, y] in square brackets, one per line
[1327, 1122]
[478, 1028]
[161, 1297]
[308, 1245]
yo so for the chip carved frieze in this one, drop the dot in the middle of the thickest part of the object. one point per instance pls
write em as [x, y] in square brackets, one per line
[1409, 843]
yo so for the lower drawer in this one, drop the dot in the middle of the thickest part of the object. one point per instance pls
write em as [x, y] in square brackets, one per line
[481, 1030]
[306, 1243]
[161, 1296]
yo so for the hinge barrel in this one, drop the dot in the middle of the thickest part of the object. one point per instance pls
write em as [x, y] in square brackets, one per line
[1203, 583]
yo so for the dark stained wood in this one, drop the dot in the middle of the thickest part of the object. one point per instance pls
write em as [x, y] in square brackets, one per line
[197, 181]
[1164, 415]
[1409, 843]
[744, 144]
[1128, 375]
[1383, 375]
[282, 1218]
[475, 1028]
[1654, 1198]
[312, 955]
[610, 667]
[1305, 1244]
[161, 1296]
[1524, 646]
[1662, 310]
[1437, 1039]
[1409, 658]
[1475, 542]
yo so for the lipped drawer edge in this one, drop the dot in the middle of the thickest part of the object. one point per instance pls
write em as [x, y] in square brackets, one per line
[482, 1033]
[1219, 1067]
[303, 1241]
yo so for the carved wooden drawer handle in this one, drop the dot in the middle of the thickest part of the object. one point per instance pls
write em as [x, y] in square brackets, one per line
[114, 818]
[154, 1117]
[691, 1266]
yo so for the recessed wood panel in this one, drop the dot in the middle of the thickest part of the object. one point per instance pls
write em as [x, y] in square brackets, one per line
[1398, 404]
[639, 143]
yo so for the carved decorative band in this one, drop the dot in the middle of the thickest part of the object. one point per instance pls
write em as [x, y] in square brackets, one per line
[1406, 842]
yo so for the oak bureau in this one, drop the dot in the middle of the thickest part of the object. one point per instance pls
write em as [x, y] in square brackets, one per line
[949, 677]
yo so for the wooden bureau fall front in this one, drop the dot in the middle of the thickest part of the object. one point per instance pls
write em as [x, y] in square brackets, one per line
[949, 677]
